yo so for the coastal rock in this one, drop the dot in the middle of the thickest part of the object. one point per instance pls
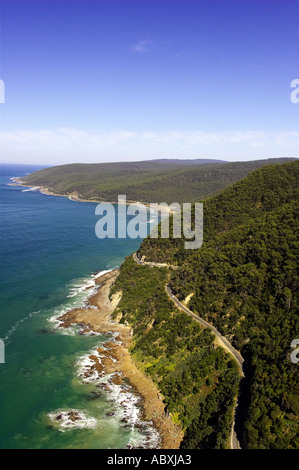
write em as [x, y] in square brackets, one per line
[70, 419]
[117, 379]
[111, 366]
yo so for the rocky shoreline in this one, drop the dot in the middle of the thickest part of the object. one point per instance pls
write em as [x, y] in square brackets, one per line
[113, 360]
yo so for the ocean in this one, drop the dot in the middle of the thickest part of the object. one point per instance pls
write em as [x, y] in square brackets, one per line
[50, 257]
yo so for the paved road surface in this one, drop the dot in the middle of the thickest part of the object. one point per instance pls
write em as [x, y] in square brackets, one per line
[151, 263]
[222, 340]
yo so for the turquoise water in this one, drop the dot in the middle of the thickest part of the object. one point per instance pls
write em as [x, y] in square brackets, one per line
[49, 254]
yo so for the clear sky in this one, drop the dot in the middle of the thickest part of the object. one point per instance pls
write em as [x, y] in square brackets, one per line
[115, 80]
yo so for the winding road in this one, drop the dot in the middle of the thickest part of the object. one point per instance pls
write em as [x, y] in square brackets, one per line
[222, 341]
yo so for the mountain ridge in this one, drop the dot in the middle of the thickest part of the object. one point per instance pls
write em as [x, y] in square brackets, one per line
[146, 181]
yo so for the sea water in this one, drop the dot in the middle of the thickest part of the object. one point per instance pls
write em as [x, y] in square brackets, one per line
[50, 257]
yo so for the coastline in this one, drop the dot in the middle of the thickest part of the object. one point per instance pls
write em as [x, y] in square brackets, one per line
[115, 359]
[75, 197]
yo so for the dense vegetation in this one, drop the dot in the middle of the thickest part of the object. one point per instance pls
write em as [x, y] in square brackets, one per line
[148, 181]
[260, 192]
[198, 381]
[244, 280]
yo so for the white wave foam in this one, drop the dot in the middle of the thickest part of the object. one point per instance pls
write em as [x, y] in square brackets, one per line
[85, 366]
[56, 323]
[101, 273]
[78, 286]
[19, 322]
[72, 419]
[34, 188]
[79, 292]
[76, 289]
[70, 330]
[143, 433]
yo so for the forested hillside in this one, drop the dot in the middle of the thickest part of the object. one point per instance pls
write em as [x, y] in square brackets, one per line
[244, 280]
[199, 382]
[260, 192]
[146, 181]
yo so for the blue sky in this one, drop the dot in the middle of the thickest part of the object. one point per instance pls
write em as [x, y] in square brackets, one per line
[116, 80]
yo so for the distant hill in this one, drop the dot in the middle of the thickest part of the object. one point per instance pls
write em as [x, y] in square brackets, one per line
[186, 161]
[163, 180]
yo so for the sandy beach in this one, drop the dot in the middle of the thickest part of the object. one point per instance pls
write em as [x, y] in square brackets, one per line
[116, 358]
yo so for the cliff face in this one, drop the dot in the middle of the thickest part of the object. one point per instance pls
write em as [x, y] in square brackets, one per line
[244, 280]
